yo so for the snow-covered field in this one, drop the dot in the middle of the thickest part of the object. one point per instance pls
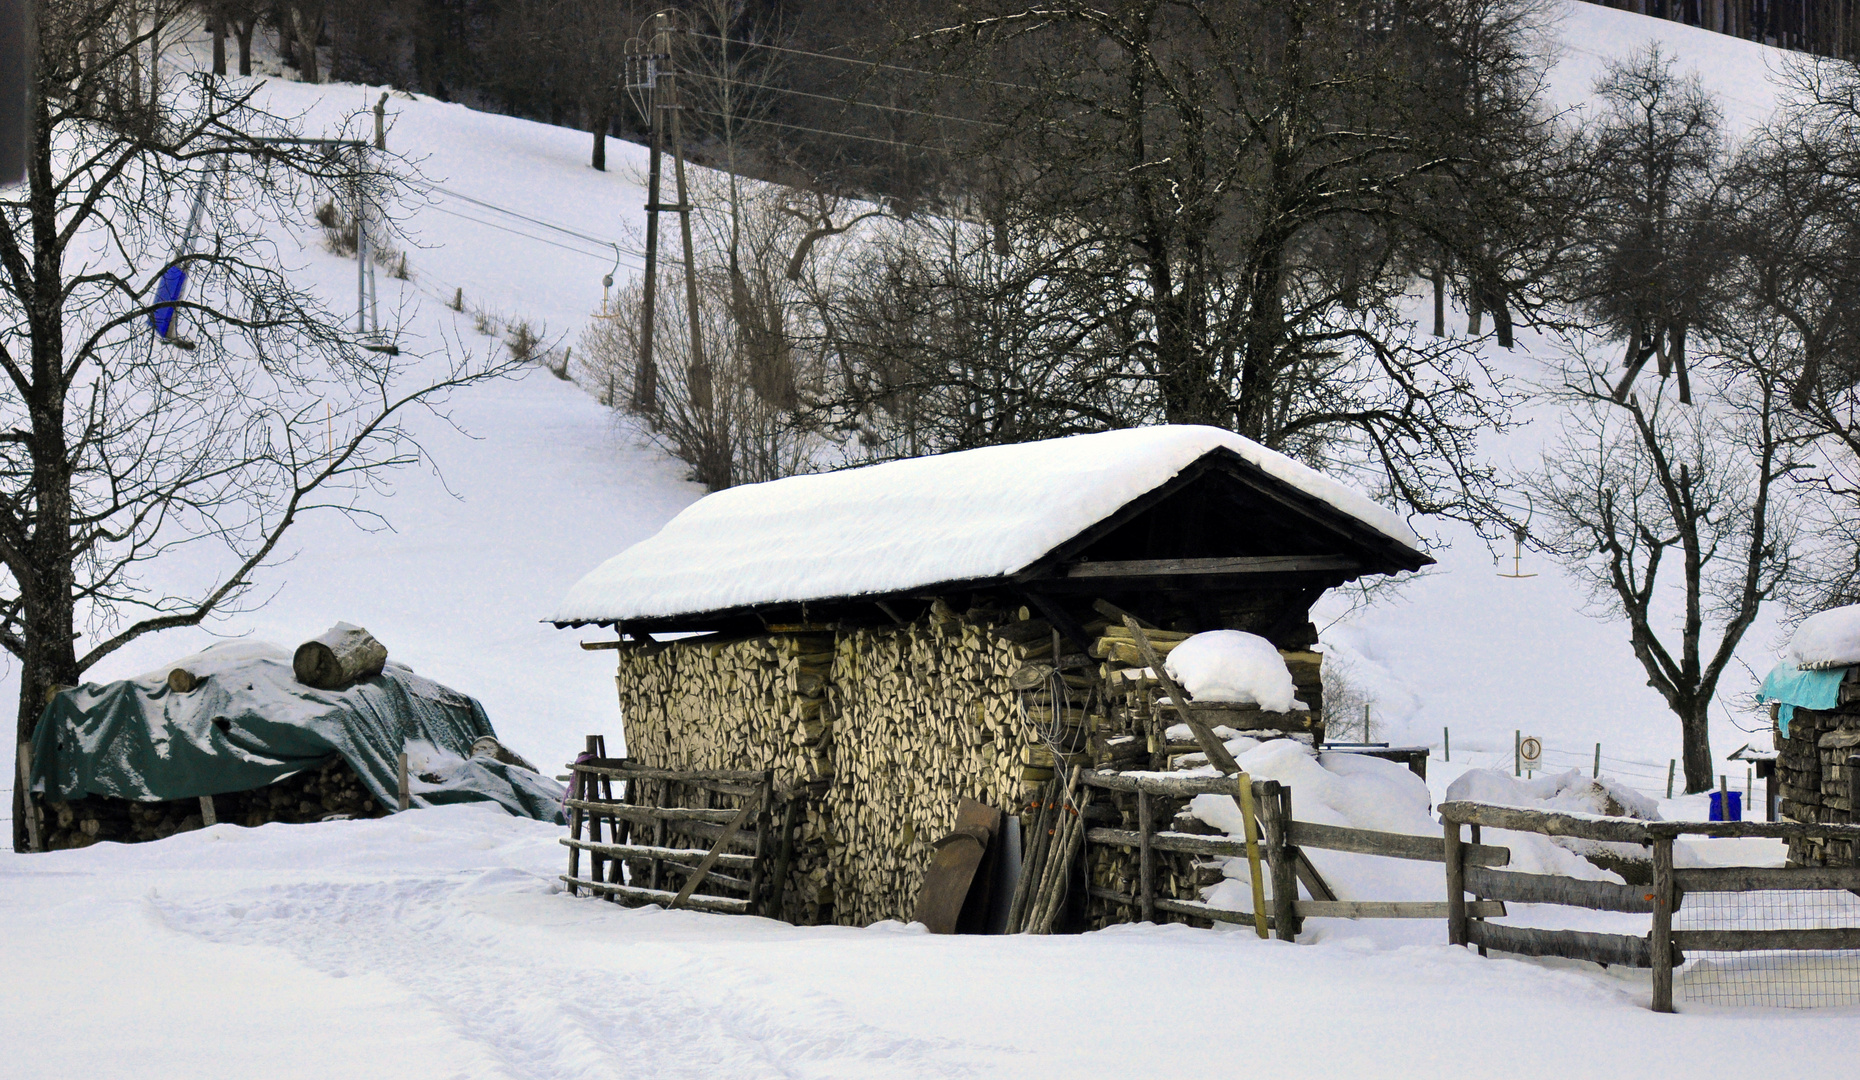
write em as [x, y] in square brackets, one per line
[435, 944]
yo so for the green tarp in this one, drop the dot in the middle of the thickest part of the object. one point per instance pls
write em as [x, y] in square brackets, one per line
[250, 723]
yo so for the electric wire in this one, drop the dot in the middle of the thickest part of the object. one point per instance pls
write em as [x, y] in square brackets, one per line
[863, 63]
[820, 131]
[842, 101]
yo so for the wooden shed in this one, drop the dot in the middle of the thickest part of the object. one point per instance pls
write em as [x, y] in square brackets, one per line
[891, 639]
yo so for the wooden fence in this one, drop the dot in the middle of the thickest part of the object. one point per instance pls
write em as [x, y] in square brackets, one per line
[640, 841]
[1281, 847]
[1663, 949]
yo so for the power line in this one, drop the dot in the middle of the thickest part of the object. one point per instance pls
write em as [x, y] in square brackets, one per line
[524, 217]
[604, 256]
[844, 101]
[822, 131]
[864, 63]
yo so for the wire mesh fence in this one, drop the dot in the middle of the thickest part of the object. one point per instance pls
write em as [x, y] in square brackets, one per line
[1776, 978]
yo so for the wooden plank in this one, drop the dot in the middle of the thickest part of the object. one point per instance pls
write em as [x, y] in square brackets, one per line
[725, 905]
[784, 855]
[1753, 879]
[1774, 829]
[622, 767]
[647, 851]
[1547, 823]
[1754, 940]
[628, 812]
[715, 853]
[1452, 853]
[1617, 949]
[1172, 786]
[34, 842]
[1181, 907]
[1555, 889]
[1264, 564]
[1393, 909]
[1390, 845]
[1282, 858]
[1660, 937]
[1146, 857]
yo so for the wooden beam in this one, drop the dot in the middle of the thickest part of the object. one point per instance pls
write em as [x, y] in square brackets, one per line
[1752, 879]
[1390, 845]
[628, 812]
[1753, 940]
[1555, 889]
[1619, 950]
[715, 853]
[720, 904]
[1234, 567]
[648, 851]
[1392, 909]
[1548, 823]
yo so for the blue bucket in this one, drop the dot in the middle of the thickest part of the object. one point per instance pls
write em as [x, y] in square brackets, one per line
[1736, 808]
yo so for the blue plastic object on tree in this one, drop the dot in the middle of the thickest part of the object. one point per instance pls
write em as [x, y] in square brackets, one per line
[173, 280]
[1736, 800]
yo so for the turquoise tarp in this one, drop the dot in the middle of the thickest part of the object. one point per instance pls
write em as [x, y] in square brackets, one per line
[1793, 687]
[250, 723]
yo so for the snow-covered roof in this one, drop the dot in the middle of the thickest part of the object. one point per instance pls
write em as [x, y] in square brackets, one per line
[882, 529]
[1827, 639]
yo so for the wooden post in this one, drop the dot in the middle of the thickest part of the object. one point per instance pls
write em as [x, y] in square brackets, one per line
[1456, 882]
[1596, 773]
[1724, 798]
[1660, 941]
[1517, 753]
[1671, 764]
[784, 855]
[757, 874]
[1278, 821]
[1249, 822]
[1853, 803]
[1446, 744]
[208, 818]
[381, 122]
[1146, 858]
[406, 795]
[575, 788]
[1474, 834]
[34, 841]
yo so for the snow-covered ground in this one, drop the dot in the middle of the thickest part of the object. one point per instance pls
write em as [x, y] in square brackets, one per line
[432, 945]
[435, 944]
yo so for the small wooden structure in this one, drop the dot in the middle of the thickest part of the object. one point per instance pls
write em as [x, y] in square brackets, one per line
[888, 641]
[1816, 778]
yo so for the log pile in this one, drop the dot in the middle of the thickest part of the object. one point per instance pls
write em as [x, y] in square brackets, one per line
[749, 703]
[331, 792]
[1814, 785]
[882, 731]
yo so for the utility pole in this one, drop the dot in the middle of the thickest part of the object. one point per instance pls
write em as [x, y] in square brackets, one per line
[698, 377]
[644, 85]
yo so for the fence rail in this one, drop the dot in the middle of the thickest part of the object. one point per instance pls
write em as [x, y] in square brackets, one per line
[1662, 949]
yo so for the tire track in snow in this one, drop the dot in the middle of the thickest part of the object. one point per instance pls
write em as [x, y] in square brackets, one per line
[675, 1007]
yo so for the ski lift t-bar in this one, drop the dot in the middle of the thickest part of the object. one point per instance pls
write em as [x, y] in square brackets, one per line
[364, 273]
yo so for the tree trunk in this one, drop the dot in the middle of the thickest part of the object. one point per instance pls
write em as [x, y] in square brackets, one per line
[1695, 746]
[602, 119]
[218, 30]
[306, 33]
[243, 31]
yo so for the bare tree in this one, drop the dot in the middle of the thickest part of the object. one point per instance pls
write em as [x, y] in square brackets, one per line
[1679, 518]
[164, 384]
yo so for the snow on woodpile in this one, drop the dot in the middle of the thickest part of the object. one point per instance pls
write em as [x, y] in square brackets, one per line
[970, 515]
[1235, 666]
[1829, 639]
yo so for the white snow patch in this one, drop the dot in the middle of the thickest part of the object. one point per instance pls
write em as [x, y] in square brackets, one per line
[1827, 639]
[922, 521]
[1232, 665]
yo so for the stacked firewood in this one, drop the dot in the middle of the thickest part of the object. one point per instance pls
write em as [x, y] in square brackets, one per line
[330, 792]
[751, 703]
[925, 715]
[1813, 776]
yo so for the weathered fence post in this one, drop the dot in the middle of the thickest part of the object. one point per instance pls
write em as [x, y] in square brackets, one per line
[1279, 850]
[575, 787]
[1146, 857]
[1456, 881]
[1660, 943]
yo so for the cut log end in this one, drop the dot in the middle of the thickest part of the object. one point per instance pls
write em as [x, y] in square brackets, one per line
[343, 655]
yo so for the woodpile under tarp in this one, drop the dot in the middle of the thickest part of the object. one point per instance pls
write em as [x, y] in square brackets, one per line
[1815, 781]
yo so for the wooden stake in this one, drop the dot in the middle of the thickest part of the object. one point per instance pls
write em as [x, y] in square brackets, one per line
[1456, 881]
[1146, 855]
[1243, 790]
[208, 818]
[33, 840]
[406, 795]
[1660, 940]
